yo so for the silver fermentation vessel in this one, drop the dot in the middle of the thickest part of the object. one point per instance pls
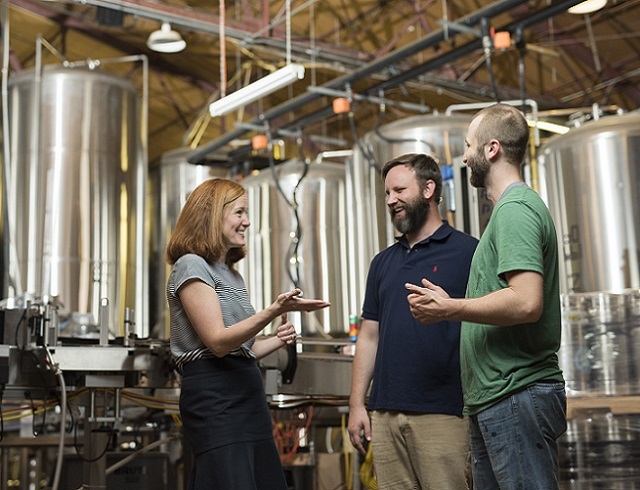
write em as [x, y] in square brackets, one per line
[590, 179]
[298, 237]
[171, 180]
[74, 176]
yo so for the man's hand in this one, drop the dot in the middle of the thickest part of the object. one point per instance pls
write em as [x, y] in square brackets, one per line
[428, 304]
[358, 425]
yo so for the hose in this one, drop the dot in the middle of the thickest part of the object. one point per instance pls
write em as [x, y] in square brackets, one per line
[52, 365]
[367, 473]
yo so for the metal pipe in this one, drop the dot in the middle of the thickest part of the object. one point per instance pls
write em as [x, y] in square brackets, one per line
[201, 22]
[11, 265]
[63, 420]
[116, 410]
[421, 108]
[35, 246]
[4, 469]
[35, 239]
[141, 252]
[339, 142]
[459, 52]
[325, 155]
[472, 46]
[249, 39]
[104, 321]
[131, 457]
[53, 50]
[481, 105]
[496, 8]
[164, 13]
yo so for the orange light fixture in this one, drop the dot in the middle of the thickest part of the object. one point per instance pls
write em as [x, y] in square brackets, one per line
[259, 142]
[341, 105]
[502, 40]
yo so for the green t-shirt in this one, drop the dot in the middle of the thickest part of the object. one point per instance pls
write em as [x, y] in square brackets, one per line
[499, 361]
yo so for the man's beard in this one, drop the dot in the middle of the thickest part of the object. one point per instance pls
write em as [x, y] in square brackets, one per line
[479, 166]
[415, 215]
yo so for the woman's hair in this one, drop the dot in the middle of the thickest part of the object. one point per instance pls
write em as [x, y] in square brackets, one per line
[199, 226]
[506, 124]
[425, 167]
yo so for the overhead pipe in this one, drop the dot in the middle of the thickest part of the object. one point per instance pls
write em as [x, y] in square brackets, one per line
[472, 46]
[198, 156]
[443, 59]
[451, 56]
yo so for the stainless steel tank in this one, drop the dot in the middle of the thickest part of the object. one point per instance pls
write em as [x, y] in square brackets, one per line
[598, 355]
[171, 180]
[298, 237]
[370, 227]
[600, 452]
[76, 170]
[590, 179]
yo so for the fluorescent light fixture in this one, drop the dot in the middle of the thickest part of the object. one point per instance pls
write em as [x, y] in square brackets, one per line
[549, 126]
[587, 7]
[258, 89]
[166, 40]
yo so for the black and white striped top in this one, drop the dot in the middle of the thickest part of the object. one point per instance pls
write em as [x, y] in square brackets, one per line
[186, 346]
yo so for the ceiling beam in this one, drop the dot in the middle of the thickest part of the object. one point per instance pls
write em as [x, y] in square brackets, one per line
[492, 10]
[156, 62]
[198, 21]
[514, 27]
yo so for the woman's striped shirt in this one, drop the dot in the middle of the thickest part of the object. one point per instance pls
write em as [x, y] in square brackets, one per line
[186, 345]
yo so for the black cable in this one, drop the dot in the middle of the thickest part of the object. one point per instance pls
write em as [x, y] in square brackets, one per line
[295, 243]
[293, 247]
[22, 318]
[1, 416]
[81, 455]
[272, 166]
[33, 415]
[521, 52]
[46, 394]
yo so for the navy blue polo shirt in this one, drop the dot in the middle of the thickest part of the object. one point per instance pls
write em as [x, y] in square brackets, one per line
[417, 366]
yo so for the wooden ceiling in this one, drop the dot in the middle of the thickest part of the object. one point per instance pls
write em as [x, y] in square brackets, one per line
[408, 53]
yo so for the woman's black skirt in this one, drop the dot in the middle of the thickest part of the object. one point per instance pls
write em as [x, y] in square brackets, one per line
[222, 401]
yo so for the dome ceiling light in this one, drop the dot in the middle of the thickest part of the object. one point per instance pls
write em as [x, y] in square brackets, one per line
[587, 7]
[166, 40]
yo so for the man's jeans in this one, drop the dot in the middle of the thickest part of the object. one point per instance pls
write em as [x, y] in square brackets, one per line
[513, 443]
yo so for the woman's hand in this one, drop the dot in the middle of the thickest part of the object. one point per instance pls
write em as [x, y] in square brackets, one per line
[286, 331]
[291, 301]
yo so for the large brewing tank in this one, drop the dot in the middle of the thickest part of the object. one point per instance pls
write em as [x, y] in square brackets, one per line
[171, 180]
[370, 227]
[598, 354]
[298, 238]
[77, 167]
[600, 452]
[590, 179]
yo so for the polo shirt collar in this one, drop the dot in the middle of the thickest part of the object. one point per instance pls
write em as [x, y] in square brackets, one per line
[440, 234]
